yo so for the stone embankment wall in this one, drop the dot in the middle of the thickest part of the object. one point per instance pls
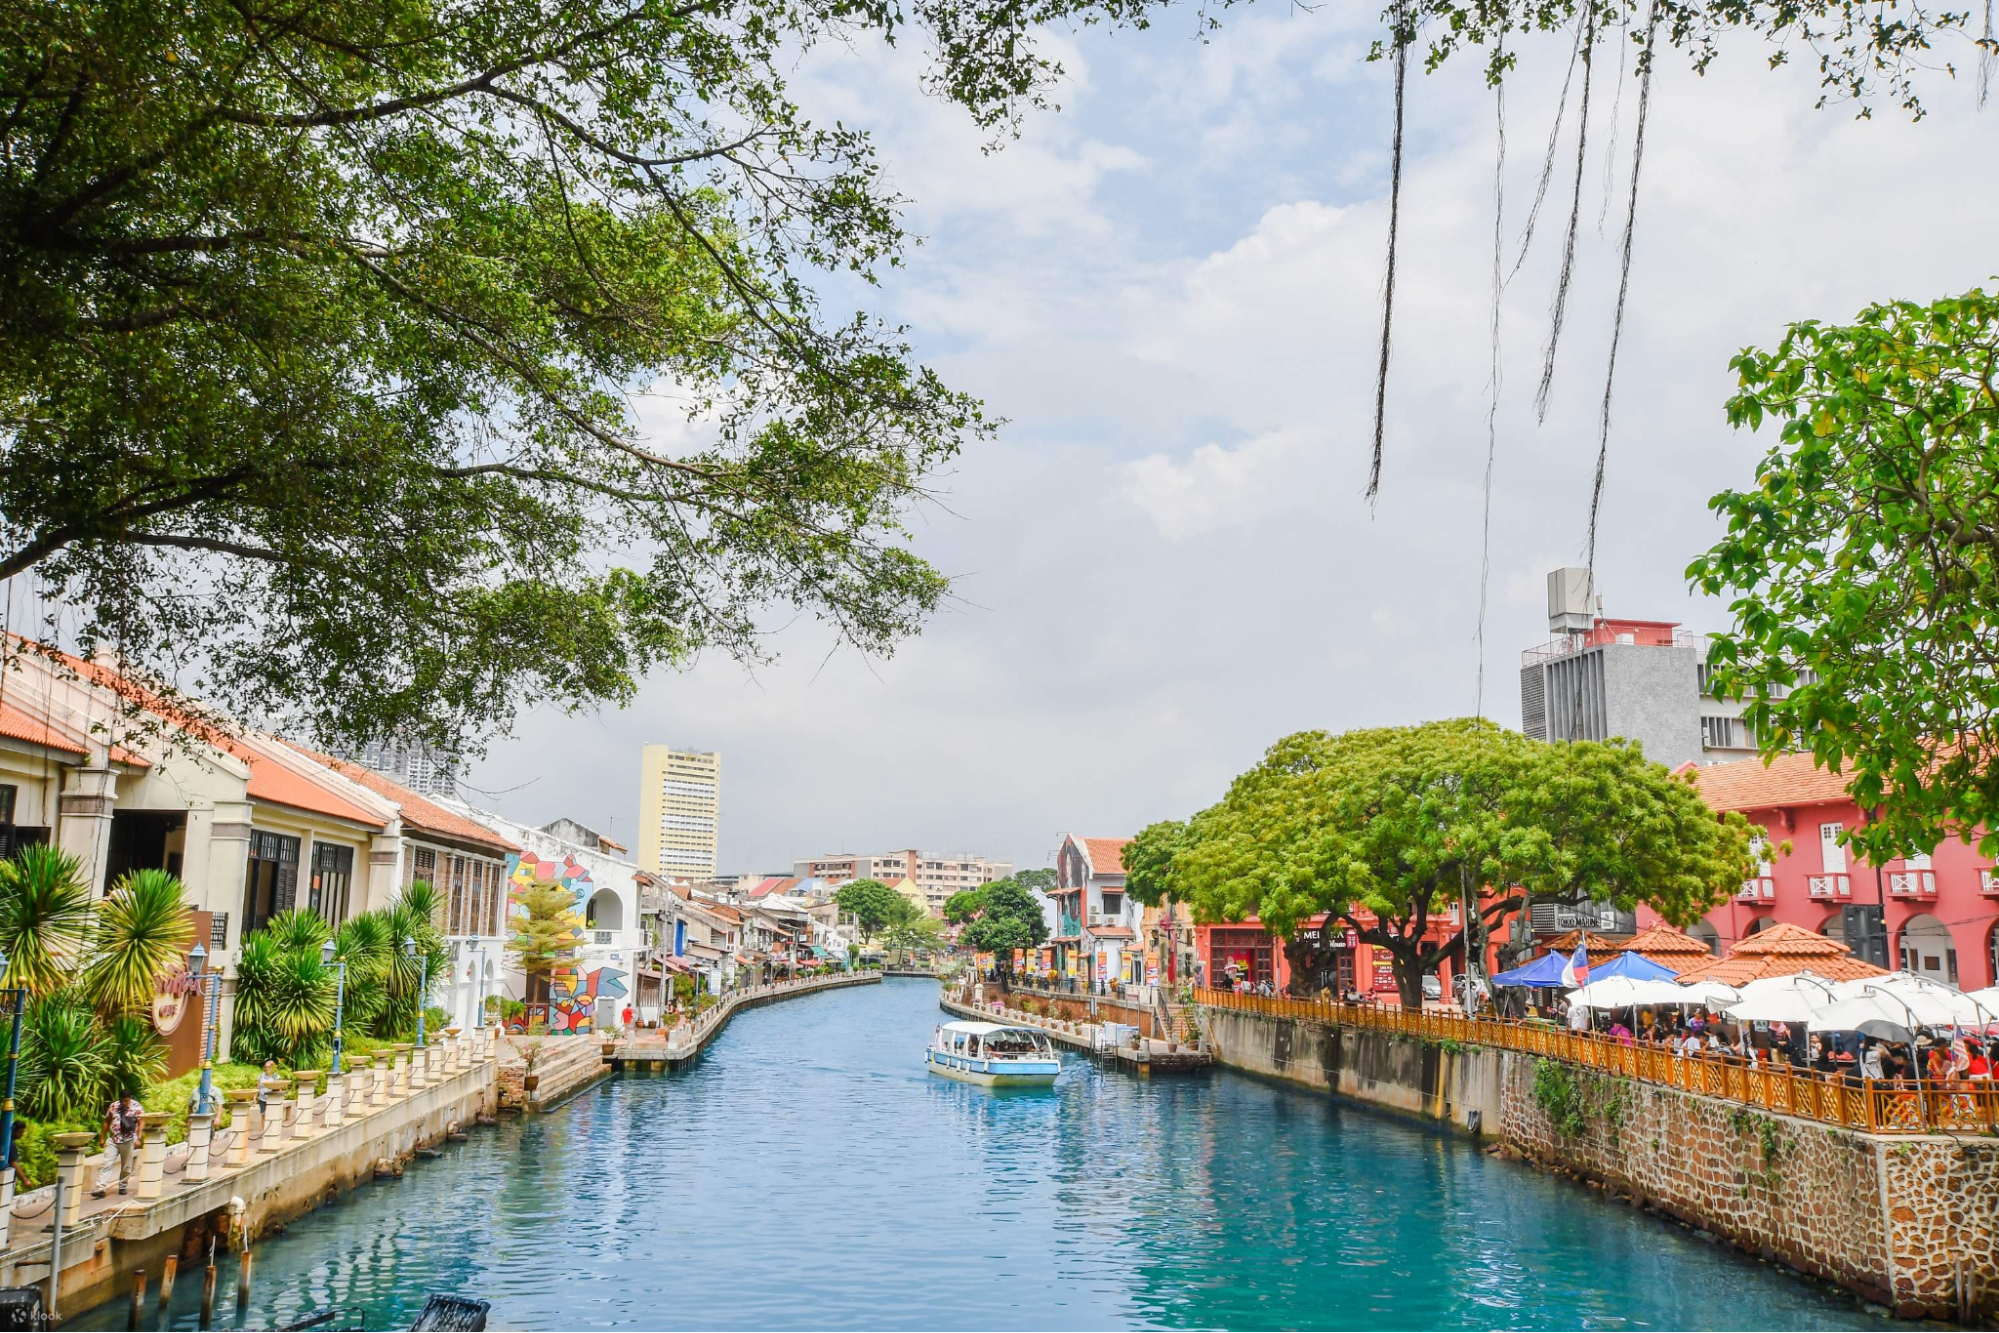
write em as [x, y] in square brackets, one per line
[1457, 1085]
[1909, 1221]
[1076, 1008]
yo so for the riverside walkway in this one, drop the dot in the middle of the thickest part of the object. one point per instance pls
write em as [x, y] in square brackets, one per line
[264, 1165]
[1873, 1106]
[1146, 1055]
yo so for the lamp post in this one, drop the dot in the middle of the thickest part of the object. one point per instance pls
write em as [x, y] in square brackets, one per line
[422, 958]
[210, 989]
[19, 996]
[479, 991]
[326, 952]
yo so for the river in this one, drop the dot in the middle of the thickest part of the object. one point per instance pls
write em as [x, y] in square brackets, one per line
[807, 1173]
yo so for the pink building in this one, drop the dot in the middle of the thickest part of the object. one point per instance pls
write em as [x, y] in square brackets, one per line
[1940, 910]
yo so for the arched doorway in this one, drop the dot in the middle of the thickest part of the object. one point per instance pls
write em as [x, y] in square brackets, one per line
[1927, 949]
[605, 911]
[1834, 927]
[1705, 932]
[1758, 925]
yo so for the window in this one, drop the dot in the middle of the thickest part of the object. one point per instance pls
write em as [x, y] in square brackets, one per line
[1833, 855]
[1721, 733]
[1113, 903]
[271, 884]
[332, 875]
[12, 836]
[1917, 862]
[420, 864]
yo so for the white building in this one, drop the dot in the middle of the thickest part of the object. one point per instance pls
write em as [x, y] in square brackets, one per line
[606, 892]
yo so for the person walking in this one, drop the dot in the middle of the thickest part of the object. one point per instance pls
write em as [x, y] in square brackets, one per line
[121, 1131]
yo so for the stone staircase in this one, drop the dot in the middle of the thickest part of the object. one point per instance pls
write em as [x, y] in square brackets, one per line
[563, 1065]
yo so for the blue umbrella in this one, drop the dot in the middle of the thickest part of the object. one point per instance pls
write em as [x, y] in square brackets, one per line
[1543, 971]
[1634, 965]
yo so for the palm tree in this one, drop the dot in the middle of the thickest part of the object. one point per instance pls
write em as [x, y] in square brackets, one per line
[44, 917]
[63, 1064]
[143, 932]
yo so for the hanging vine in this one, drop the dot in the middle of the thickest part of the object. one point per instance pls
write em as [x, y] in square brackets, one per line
[1562, 277]
[1403, 35]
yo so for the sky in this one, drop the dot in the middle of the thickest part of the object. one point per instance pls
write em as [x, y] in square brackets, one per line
[1170, 289]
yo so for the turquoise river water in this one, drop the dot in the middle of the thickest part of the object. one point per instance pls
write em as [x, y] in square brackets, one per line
[807, 1173]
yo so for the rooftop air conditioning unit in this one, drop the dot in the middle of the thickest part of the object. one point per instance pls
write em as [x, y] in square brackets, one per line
[1570, 601]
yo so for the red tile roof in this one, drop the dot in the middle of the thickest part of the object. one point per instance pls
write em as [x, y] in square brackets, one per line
[277, 784]
[419, 813]
[1662, 944]
[20, 726]
[1792, 779]
[1106, 854]
[1111, 932]
[1780, 951]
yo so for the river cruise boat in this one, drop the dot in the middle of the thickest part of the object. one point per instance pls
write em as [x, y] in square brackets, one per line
[994, 1055]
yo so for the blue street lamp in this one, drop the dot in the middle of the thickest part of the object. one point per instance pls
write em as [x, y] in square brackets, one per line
[19, 995]
[422, 986]
[326, 951]
[209, 986]
[479, 991]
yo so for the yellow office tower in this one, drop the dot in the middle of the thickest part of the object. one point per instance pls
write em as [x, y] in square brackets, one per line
[680, 811]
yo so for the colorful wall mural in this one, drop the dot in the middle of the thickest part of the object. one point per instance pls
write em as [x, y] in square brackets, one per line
[573, 995]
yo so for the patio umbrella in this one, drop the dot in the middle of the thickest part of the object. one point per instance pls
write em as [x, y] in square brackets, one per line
[1791, 998]
[1633, 965]
[1543, 971]
[1712, 994]
[1872, 1014]
[1625, 993]
[1932, 1003]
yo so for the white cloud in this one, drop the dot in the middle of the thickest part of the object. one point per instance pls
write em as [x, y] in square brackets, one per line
[1171, 290]
[1218, 487]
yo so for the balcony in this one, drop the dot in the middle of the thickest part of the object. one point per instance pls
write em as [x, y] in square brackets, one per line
[1829, 886]
[1987, 884]
[1912, 884]
[1761, 889]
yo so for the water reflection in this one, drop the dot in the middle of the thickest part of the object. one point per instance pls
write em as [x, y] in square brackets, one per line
[810, 1174]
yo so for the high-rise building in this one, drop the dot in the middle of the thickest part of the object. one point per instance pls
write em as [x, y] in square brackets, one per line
[680, 811]
[937, 876]
[423, 770]
[1644, 680]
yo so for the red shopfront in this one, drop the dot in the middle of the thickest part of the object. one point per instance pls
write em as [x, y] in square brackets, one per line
[1353, 968]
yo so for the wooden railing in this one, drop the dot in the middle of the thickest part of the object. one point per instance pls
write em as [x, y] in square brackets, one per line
[1926, 1106]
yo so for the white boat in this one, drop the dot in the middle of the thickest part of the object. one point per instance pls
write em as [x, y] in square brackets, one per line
[994, 1055]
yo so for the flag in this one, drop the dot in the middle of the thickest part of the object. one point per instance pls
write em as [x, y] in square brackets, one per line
[1575, 972]
[1960, 1054]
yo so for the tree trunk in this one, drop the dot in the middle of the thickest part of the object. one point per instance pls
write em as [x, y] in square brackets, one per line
[1409, 980]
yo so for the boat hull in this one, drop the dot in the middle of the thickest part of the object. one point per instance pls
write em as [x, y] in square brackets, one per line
[995, 1073]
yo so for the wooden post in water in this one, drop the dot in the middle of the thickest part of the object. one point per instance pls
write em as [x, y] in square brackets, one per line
[133, 1317]
[168, 1271]
[243, 1276]
[208, 1288]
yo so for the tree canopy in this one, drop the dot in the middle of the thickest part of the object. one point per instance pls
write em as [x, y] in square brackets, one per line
[460, 358]
[1009, 918]
[1864, 564]
[875, 906]
[1388, 830]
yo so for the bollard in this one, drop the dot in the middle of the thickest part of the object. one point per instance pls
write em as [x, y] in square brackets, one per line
[6, 1203]
[242, 1119]
[336, 1105]
[419, 1066]
[399, 1082]
[272, 1139]
[308, 1087]
[169, 1269]
[208, 1290]
[133, 1319]
[69, 1169]
[243, 1276]
[200, 1133]
[378, 1079]
[152, 1153]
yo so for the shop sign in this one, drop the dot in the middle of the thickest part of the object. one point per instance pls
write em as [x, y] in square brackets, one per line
[176, 993]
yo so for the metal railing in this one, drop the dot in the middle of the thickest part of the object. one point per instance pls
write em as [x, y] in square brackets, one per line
[1914, 1106]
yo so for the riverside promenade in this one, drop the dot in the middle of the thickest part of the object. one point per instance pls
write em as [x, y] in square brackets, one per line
[228, 1184]
[1144, 1055]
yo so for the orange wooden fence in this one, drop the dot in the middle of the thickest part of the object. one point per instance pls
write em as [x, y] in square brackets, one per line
[1914, 1107]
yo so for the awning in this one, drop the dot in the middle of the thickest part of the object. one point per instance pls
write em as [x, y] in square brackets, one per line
[1633, 965]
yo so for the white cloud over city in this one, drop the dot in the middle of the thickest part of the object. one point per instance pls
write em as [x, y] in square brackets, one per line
[1170, 289]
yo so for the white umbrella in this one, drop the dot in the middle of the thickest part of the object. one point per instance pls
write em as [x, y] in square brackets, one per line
[1792, 998]
[1871, 1014]
[1931, 1003]
[1989, 997]
[1712, 994]
[1626, 993]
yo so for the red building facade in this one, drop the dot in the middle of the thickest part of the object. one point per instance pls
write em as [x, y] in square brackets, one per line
[1941, 911]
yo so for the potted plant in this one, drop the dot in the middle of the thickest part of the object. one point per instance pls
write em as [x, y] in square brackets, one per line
[530, 1080]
